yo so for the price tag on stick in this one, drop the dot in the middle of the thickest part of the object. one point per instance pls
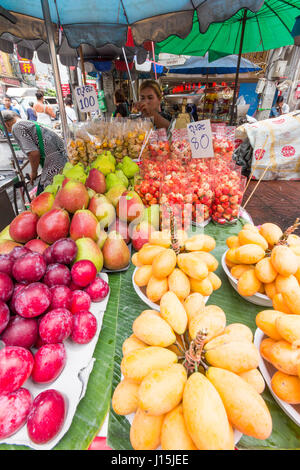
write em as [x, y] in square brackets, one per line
[201, 139]
[86, 98]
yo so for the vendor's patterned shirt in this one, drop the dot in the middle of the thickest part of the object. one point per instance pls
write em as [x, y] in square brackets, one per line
[55, 154]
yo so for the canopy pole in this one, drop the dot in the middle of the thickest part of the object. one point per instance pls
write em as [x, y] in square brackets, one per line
[129, 75]
[238, 68]
[54, 63]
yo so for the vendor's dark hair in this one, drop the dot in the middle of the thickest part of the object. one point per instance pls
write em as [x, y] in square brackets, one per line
[119, 96]
[68, 101]
[279, 99]
[39, 95]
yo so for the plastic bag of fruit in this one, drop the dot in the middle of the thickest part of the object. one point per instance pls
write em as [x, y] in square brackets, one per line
[180, 145]
[159, 147]
[76, 144]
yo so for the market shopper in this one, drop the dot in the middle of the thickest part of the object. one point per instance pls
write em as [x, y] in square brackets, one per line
[42, 146]
[70, 112]
[150, 104]
[7, 105]
[280, 107]
[44, 112]
[31, 114]
[121, 105]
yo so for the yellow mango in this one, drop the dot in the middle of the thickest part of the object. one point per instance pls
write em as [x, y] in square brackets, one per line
[286, 283]
[203, 287]
[250, 227]
[125, 397]
[239, 269]
[145, 431]
[164, 264]
[293, 239]
[153, 330]
[179, 283]
[248, 284]
[295, 249]
[266, 321]
[190, 264]
[250, 236]
[288, 326]
[194, 305]
[182, 237]
[239, 330]
[148, 253]
[205, 415]
[135, 260]
[162, 390]
[246, 409]
[292, 299]
[265, 348]
[162, 238]
[270, 289]
[254, 378]
[236, 356]
[209, 243]
[297, 273]
[284, 260]
[209, 259]
[261, 290]
[233, 241]
[284, 357]
[172, 310]
[271, 232]
[215, 280]
[174, 434]
[265, 271]
[142, 275]
[195, 243]
[286, 387]
[249, 254]
[280, 304]
[230, 256]
[139, 363]
[156, 288]
[131, 344]
[213, 321]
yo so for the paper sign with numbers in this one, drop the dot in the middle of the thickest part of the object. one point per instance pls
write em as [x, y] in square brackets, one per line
[201, 139]
[86, 98]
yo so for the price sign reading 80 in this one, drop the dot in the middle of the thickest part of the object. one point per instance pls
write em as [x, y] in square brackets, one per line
[200, 137]
[86, 98]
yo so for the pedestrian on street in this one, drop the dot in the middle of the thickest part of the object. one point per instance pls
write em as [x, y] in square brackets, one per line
[41, 144]
[31, 114]
[7, 105]
[44, 113]
[70, 112]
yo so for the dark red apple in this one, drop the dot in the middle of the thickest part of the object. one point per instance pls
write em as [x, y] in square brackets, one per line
[6, 263]
[61, 297]
[56, 325]
[48, 255]
[64, 251]
[6, 287]
[14, 409]
[29, 268]
[19, 251]
[24, 227]
[57, 275]
[80, 300]
[97, 290]
[46, 417]
[16, 364]
[17, 288]
[21, 331]
[49, 362]
[84, 327]
[53, 225]
[33, 300]
[83, 272]
[4, 316]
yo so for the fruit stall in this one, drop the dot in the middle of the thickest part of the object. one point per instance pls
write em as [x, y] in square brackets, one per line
[140, 304]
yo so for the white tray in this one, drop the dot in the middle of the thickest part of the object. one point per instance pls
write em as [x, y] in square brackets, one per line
[257, 299]
[141, 292]
[268, 370]
[72, 382]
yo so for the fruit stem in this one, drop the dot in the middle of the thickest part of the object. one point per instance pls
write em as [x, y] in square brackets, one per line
[284, 237]
[193, 356]
[179, 347]
[174, 240]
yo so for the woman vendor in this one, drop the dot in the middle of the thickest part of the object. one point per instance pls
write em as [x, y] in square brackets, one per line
[150, 104]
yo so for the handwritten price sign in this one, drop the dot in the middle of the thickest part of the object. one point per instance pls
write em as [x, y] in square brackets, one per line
[201, 139]
[86, 98]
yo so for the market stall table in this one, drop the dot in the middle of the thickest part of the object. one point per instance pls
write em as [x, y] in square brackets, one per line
[274, 201]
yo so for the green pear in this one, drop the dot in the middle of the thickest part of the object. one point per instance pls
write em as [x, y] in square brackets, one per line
[112, 180]
[102, 209]
[129, 167]
[88, 249]
[115, 193]
[116, 254]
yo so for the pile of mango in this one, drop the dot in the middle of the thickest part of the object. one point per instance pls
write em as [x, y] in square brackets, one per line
[280, 348]
[261, 264]
[190, 380]
[160, 270]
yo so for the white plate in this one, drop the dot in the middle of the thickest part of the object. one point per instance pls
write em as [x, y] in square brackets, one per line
[268, 370]
[141, 292]
[72, 382]
[257, 299]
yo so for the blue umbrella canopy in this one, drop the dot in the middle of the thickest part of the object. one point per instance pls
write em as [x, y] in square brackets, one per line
[201, 66]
